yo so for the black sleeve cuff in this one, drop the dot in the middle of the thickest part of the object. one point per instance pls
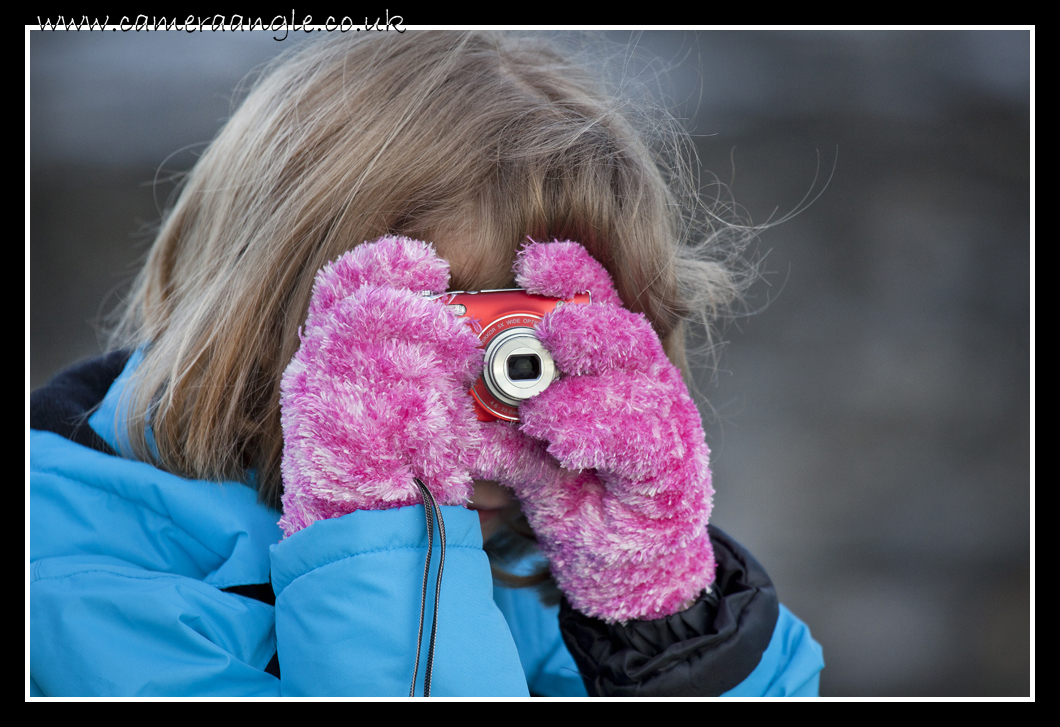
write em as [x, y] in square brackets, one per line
[703, 651]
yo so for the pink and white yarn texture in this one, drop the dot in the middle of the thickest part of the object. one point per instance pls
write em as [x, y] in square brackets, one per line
[377, 393]
[610, 462]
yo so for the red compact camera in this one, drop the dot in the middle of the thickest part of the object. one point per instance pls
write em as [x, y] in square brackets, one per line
[516, 366]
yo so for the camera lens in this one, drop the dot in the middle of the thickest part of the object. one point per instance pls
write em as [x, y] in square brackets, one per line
[517, 366]
[526, 367]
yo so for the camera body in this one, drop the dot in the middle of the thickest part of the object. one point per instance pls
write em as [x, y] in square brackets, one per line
[516, 366]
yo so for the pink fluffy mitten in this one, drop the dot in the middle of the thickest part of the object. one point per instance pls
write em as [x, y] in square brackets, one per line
[377, 393]
[610, 461]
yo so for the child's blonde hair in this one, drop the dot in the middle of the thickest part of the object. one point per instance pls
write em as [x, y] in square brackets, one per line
[475, 141]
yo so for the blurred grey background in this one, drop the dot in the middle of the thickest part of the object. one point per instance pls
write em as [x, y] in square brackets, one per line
[870, 423]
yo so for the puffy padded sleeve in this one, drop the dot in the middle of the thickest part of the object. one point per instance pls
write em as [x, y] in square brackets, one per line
[348, 593]
[103, 627]
[129, 571]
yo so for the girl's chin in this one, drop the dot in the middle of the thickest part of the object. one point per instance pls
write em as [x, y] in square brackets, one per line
[489, 521]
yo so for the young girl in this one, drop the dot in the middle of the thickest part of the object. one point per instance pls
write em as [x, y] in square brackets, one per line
[277, 485]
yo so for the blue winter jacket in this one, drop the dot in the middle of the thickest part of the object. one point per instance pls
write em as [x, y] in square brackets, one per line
[146, 583]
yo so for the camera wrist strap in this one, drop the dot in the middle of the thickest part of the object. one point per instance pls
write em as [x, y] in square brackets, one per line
[431, 508]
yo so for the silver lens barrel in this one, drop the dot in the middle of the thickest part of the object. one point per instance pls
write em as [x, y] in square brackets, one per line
[517, 366]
